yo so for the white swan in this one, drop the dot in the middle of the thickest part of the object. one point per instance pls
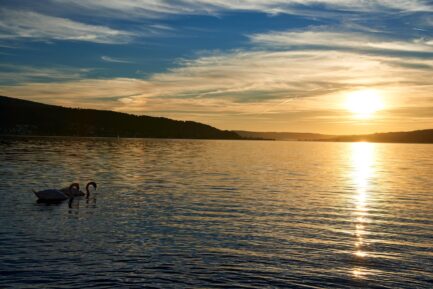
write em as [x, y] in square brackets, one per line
[87, 188]
[53, 195]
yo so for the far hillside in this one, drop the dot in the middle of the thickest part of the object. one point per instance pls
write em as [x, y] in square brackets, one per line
[417, 136]
[282, 135]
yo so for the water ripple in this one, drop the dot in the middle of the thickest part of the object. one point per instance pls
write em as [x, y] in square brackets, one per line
[217, 214]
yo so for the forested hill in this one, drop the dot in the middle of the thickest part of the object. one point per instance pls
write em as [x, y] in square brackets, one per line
[22, 117]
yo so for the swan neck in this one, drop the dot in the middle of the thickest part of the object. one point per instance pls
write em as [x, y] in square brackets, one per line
[87, 188]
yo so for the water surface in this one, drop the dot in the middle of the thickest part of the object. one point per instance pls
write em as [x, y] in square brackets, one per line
[204, 214]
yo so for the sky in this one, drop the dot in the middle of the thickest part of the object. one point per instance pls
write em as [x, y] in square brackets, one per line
[260, 65]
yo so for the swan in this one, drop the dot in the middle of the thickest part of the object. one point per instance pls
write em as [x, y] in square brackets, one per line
[55, 195]
[93, 184]
[71, 199]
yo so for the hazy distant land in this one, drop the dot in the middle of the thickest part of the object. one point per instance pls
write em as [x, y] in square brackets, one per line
[294, 136]
[417, 136]
[23, 117]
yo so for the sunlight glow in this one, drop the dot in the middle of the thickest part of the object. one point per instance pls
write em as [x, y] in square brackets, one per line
[364, 103]
[363, 155]
[362, 158]
[358, 273]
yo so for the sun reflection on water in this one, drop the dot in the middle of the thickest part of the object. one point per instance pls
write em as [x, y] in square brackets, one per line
[362, 158]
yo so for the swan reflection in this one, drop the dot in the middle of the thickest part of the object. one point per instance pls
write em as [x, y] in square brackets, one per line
[74, 203]
[362, 159]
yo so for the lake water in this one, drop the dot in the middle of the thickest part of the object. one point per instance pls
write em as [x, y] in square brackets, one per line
[203, 214]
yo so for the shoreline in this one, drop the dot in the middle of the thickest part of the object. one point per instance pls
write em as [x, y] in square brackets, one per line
[216, 139]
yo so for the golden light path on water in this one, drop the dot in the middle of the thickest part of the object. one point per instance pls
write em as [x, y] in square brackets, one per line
[206, 214]
[362, 158]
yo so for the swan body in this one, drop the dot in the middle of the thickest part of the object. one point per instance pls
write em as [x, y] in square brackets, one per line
[52, 195]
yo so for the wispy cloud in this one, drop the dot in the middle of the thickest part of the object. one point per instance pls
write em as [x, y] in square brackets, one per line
[97, 93]
[242, 79]
[16, 24]
[325, 37]
[151, 8]
[19, 24]
[114, 60]
[279, 68]
[232, 90]
[15, 74]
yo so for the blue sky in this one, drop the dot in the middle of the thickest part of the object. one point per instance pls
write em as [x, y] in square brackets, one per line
[259, 65]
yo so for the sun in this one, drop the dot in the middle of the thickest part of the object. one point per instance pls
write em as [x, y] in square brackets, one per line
[363, 103]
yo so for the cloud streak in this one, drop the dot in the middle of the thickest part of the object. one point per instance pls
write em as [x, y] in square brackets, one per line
[114, 60]
[31, 25]
[287, 65]
[322, 37]
[16, 74]
[150, 8]
[19, 24]
[241, 79]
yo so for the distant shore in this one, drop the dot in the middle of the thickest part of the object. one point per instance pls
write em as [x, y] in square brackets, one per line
[27, 118]
[360, 140]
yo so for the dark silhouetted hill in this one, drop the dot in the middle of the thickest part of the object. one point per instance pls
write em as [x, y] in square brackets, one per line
[417, 136]
[22, 117]
[282, 135]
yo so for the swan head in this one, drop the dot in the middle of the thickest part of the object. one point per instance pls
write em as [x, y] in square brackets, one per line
[93, 184]
[75, 186]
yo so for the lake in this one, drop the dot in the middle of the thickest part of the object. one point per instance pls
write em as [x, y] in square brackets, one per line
[214, 214]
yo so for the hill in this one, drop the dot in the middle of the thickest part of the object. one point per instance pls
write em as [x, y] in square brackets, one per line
[282, 135]
[22, 117]
[417, 136]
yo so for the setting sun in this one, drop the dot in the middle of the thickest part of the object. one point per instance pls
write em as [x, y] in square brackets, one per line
[224, 143]
[364, 103]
